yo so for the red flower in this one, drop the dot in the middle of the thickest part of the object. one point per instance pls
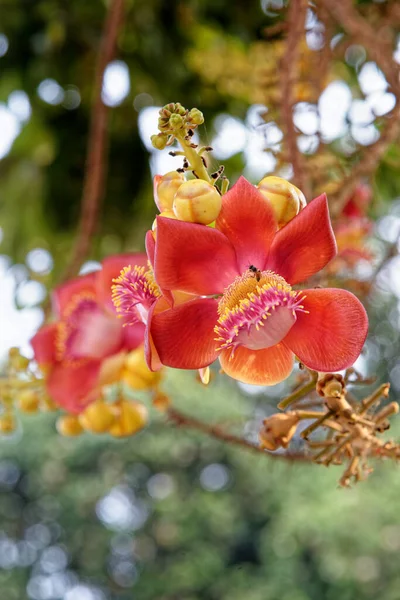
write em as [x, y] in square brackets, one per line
[245, 310]
[87, 343]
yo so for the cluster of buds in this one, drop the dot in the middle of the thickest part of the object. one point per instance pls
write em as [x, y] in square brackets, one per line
[195, 200]
[121, 418]
[346, 432]
[199, 200]
[174, 121]
[22, 390]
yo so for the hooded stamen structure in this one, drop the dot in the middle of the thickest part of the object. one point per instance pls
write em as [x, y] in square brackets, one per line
[256, 311]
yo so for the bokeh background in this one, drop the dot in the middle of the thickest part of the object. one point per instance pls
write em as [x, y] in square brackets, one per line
[169, 514]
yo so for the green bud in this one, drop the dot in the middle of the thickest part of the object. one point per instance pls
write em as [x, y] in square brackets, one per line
[196, 116]
[176, 121]
[159, 141]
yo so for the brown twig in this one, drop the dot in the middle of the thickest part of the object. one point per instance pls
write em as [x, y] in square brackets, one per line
[96, 165]
[288, 70]
[369, 160]
[181, 420]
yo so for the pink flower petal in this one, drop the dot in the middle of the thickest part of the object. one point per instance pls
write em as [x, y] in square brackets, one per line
[133, 335]
[111, 268]
[331, 336]
[258, 367]
[63, 294]
[305, 245]
[71, 386]
[184, 335]
[248, 221]
[193, 258]
[97, 334]
[44, 344]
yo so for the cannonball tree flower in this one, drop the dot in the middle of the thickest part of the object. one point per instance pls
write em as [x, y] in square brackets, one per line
[87, 345]
[245, 308]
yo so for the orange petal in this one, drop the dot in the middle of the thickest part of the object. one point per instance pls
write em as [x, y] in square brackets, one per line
[305, 245]
[44, 344]
[331, 335]
[193, 258]
[72, 386]
[184, 335]
[248, 221]
[258, 367]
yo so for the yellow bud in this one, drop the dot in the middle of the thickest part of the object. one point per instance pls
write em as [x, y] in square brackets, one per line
[137, 374]
[98, 417]
[197, 201]
[168, 214]
[285, 198]
[159, 141]
[8, 423]
[132, 418]
[196, 116]
[47, 404]
[28, 401]
[69, 425]
[165, 188]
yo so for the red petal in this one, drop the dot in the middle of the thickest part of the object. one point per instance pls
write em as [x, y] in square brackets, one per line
[44, 344]
[305, 245]
[193, 258]
[184, 335]
[150, 247]
[248, 221]
[111, 268]
[258, 367]
[64, 293]
[133, 336]
[330, 337]
[153, 360]
[70, 386]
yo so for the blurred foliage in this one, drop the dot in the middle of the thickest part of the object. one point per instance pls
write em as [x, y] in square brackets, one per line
[135, 518]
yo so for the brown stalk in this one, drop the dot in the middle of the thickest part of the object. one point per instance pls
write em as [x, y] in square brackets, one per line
[288, 69]
[96, 162]
[215, 431]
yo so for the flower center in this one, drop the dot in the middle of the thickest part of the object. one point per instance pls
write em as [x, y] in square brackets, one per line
[256, 311]
[134, 292]
[87, 331]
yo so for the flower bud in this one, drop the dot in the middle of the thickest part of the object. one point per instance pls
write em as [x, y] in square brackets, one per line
[47, 404]
[285, 198]
[197, 201]
[8, 423]
[98, 417]
[278, 430]
[176, 121]
[331, 385]
[165, 188]
[69, 426]
[159, 141]
[28, 401]
[137, 374]
[166, 213]
[132, 418]
[196, 116]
